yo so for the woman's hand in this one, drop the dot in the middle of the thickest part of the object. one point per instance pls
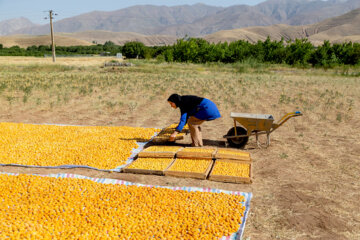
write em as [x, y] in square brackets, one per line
[173, 136]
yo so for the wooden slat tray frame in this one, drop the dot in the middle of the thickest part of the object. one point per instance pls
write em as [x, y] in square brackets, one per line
[163, 139]
[195, 155]
[156, 154]
[151, 154]
[195, 175]
[146, 171]
[160, 138]
[231, 179]
[219, 155]
[172, 129]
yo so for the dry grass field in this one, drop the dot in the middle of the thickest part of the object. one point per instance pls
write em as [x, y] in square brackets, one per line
[306, 183]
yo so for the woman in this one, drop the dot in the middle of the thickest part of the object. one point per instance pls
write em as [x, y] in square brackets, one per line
[194, 111]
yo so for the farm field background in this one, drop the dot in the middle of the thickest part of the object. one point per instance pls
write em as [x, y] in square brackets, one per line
[305, 184]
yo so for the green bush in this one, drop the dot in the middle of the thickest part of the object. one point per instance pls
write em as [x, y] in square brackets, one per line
[133, 50]
[299, 52]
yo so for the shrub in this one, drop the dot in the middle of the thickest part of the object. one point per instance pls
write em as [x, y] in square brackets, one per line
[133, 50]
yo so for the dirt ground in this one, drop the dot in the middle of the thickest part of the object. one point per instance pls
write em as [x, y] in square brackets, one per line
[303, 188]
[305, 184]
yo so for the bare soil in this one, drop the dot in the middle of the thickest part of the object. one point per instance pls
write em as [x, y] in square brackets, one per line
[305, 185]
[309, 192]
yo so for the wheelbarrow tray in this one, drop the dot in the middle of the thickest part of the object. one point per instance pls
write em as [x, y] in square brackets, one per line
[254, 122]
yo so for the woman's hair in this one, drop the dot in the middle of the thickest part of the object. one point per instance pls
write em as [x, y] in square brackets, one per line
[175, 98]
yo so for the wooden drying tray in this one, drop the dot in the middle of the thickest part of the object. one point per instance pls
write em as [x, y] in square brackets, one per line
[162, 138]
[145, 171]
[157, 154]
[231, 179]
[234, 154]
[183, 153]
[196, 175]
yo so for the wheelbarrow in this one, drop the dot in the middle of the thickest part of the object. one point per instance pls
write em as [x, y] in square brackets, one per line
[254, 124]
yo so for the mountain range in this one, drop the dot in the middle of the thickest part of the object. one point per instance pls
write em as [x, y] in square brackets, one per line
[158, 25]
[338, 29]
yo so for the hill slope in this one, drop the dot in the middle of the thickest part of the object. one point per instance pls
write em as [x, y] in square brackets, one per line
[338, 29]
[199, 19]
[85, 38]
[121, 38]
[304, 12]
[24, 41]
[144, 19]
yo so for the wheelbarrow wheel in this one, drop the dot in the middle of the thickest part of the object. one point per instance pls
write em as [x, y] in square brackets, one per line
[240, 141]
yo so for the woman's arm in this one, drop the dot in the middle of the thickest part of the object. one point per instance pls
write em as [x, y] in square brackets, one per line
[183, 120]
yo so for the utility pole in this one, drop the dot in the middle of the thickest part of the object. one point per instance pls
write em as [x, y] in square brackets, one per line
[51, 15]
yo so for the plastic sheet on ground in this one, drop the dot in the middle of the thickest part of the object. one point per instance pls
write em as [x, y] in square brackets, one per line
[235, 236]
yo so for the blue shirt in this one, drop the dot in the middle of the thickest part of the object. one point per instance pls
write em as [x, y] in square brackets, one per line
[206, 110]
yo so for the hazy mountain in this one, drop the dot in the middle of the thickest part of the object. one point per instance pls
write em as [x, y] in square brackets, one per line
[159, 25]
[290, 12]
[317, 11]
[9, 26]
[343, 28]
[144, 19]
[228, 18]
[338, 29]
[199, 19]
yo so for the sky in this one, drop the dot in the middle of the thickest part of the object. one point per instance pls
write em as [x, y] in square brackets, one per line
[37, 10]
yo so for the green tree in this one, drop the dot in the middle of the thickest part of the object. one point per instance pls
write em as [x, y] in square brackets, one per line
[169, 55]
[349, 53]
[324, 56]
[133, 50]
[273, 51]
[215, 52]
[237, 51]
[299, 52]
[109, 45]
[185, 50]
[203, 51]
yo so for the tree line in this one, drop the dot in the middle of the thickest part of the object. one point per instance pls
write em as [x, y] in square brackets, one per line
[197, 50]
[108, 48]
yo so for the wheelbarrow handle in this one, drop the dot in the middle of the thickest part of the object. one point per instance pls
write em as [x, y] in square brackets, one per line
[290, 115]
[285, 118]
